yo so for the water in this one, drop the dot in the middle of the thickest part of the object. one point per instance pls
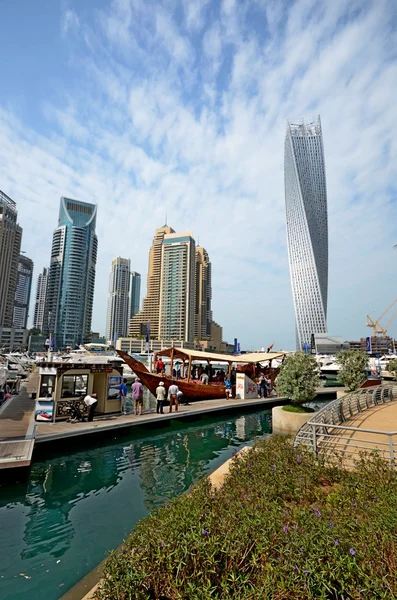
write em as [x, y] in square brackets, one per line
[78, 504]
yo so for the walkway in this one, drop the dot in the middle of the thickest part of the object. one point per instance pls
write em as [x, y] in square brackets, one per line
[17, 427]
[368, 436]
[46, 432]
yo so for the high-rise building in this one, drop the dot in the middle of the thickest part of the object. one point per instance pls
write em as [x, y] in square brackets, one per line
[22, 292]
[203, 313]
[307, 227]
[178, 287]
[119, 299]
[135, 293]
[71, 280]
[151, 302]
[10, 247]
[40, 301]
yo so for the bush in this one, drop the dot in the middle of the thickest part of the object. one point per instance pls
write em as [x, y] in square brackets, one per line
[353, 368]
[298, 409]
[392, 367]
[283, 526]
[299, 378]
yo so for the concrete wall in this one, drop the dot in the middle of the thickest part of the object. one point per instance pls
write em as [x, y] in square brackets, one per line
[289, 423]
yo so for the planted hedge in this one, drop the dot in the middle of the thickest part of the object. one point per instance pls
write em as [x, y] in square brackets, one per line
[282, 526]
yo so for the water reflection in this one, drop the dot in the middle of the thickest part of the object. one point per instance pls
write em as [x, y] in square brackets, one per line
[77, 506]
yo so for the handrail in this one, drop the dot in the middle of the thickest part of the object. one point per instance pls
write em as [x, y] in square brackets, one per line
[315, 434]
[354, 428]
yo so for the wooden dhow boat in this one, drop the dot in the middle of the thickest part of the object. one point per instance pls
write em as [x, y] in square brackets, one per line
[194, 390]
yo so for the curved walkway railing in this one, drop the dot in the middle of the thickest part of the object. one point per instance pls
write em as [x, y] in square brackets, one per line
[327, 434]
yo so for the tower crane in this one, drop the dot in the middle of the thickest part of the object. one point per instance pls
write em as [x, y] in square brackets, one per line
[376, 325]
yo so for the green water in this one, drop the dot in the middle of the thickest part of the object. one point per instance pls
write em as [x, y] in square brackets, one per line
[80, 502]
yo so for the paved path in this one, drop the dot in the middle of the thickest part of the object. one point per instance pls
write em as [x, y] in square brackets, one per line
[17, 431]
[379, 418]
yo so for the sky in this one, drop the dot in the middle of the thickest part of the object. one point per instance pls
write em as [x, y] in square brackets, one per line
[151, 108]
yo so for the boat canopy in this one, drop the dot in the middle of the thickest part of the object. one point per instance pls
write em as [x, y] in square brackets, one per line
[249, 358]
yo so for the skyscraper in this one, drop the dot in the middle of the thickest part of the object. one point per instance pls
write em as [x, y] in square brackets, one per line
[203, 313]
[40, 301]
[151, 302]
[10, 246]
[119, 299]
[178, 287]
[22, 292]
[307, 227]
[71, 281]
[135, 293]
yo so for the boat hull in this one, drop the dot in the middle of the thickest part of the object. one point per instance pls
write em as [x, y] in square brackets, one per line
[191, 391]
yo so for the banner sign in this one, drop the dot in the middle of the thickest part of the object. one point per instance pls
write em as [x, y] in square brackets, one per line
[368, 345]
[245, 387]
[44, 410]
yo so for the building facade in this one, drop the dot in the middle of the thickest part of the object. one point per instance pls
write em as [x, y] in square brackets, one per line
[10, 247]
[307, 227]
[178, 287]
[151, 303]
[22, 292]
[135, 293]
[71, 280]
[203, 312]
[119, 299]
[40, 300]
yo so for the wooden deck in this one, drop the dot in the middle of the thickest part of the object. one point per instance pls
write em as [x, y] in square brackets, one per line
[46, 432]
[17, 431]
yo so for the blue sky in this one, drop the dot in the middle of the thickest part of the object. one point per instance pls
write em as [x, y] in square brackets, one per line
[179, 107]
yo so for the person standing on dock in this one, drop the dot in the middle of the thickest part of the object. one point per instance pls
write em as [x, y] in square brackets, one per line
[160, 395]
[91, 403]
[123, 396]
[137, 396]
[173, 396]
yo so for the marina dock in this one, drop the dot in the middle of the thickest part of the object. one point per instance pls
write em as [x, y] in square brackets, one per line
[47, 432]
[17, 431]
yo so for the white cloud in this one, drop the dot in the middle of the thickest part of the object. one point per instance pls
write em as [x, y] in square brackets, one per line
[180, 108]
[70, 21]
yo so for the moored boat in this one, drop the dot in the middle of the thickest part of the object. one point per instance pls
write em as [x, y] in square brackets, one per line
[191, 390]
[194, 390]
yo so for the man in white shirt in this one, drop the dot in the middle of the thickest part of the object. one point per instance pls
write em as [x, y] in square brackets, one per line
[91, 403]
[173, 396]
[160, 395]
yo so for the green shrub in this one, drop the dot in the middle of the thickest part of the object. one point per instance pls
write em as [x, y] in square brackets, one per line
[353, 368]
[283, 526]
[298, 409]
[299, 378]
[392, 367]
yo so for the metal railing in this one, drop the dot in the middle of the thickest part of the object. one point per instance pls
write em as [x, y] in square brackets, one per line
[327, 435]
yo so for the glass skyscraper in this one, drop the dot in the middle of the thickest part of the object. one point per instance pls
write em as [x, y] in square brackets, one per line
[71, 281]
[22, 292]
[119, 299]
[307, 227]
[178, 287]
[10, 246]
[135, 293]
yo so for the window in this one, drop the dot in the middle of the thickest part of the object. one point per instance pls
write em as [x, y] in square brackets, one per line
[74, 386]
[47, 386]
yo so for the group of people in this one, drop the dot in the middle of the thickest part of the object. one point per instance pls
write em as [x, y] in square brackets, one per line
[265, 387]
[136, 394]
[175, 396]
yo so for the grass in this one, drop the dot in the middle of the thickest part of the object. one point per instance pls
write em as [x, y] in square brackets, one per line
[298, 409]
[283, 526]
